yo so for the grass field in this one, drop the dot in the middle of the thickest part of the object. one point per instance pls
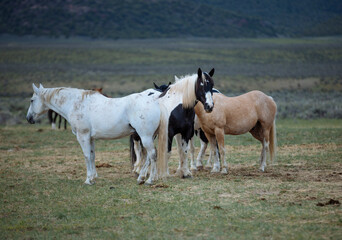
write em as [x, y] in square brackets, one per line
[43, 195]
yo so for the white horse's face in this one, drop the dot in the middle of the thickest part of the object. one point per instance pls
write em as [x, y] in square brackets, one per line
[204, 89]
[37, 107]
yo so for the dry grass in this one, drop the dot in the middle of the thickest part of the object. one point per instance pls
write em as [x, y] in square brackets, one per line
[43, 196]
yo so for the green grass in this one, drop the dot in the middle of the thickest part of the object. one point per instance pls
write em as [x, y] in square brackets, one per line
[42, 194]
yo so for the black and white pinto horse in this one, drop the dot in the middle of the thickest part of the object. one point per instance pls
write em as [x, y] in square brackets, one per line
[177, 108]
[181, 119]
[178, 121]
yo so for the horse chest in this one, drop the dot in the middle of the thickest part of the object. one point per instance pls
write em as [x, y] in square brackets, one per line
[181, 120]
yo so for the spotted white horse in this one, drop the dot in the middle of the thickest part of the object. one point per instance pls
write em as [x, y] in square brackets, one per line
[94, 116]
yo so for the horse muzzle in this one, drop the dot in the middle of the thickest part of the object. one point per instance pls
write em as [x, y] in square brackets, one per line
[30, 119]
[208, 108]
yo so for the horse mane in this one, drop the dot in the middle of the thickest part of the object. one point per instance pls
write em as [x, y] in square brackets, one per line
[49, 93]
[87, 93]
[186, 86]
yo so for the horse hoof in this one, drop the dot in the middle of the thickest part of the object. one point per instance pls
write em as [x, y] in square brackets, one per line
[147, 183]
[140, 181]
[262, 169]
[89, 182]
[199, 168]
[187, 176]
[193, 168]
[208, 167]
[224, 171]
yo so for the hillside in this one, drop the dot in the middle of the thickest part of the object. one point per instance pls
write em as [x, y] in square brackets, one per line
[171, 18]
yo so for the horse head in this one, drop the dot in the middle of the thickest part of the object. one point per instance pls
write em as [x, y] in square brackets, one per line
[204, 89]
[37, 106]
[161, 88]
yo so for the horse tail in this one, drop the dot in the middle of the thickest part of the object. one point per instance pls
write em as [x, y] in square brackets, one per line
[132, 152]
[273, 142]
[162, 160]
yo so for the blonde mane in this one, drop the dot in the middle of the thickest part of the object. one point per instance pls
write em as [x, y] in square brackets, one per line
[186, 86]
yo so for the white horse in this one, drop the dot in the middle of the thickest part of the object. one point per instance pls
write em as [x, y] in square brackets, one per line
[94, 116]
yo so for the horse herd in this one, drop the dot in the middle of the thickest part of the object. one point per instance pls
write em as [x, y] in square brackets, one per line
[170, 111]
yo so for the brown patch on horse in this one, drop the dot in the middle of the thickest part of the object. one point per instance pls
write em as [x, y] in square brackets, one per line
[87, 93]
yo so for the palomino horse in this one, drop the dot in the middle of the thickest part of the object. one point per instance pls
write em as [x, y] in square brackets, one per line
[252, 112]
[94, 116]
[177, 119]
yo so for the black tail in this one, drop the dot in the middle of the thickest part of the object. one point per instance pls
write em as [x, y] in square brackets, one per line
[50, 115]
[132, 152]
[135, 137]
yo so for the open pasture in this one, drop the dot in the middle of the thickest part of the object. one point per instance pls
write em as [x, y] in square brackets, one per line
[43, 196]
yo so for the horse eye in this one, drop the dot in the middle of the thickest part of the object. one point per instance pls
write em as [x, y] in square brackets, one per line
[31, 100]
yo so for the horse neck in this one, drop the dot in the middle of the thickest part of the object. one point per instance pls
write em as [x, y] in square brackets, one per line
[59, 100]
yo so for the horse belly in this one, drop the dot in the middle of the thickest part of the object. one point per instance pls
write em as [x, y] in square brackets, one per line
[111, 132]
[240, 124]
[110, 126]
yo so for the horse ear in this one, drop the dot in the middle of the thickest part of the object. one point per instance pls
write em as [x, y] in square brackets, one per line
[35, 89]
[176, 79]
[169, 84]
[155, 85]
[211, 73]
[199, 73]
[41, 86]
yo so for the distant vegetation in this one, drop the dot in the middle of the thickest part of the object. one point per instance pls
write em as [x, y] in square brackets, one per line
[304, 76]
[171, 18]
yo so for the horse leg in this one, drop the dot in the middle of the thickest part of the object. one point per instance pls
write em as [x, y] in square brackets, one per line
[212, 155]
[59, 122]
[144, 171]
[216, 166]
[84, 141]
[92, 158]
[138, 152]
[54, 121]
[192, 154]
[259, 133]
[182, 147]
[219, 132]
[199, 160]
[265, 149]
[152, 156]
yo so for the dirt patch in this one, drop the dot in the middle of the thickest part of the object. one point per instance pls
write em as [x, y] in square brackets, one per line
[104, 165]
[330, 202]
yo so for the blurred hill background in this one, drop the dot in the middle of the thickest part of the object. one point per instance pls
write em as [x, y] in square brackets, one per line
[171, 18]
